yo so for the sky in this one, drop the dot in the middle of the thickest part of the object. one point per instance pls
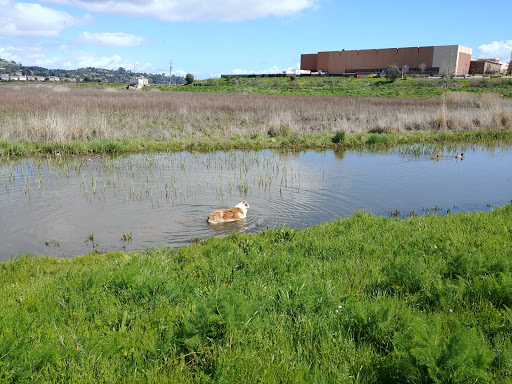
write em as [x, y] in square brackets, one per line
[213, 37]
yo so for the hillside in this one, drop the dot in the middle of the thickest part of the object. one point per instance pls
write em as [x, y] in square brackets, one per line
[120, 75]
[343, 86]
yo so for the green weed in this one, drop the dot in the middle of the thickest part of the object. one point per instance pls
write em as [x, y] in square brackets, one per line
[365, 299]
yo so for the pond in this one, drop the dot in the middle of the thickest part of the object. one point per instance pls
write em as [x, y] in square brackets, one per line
[70, 206]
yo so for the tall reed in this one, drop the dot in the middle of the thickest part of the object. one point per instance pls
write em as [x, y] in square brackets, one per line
[58, 115]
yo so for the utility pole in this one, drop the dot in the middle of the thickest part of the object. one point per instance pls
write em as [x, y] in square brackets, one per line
[170, 72]
[448, 73]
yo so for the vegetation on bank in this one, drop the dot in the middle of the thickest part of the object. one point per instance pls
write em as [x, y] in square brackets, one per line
[50, 119]
[363, 299]
[343, 86]
[376, 141]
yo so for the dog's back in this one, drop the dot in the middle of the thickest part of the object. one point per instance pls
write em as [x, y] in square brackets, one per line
[231, 214]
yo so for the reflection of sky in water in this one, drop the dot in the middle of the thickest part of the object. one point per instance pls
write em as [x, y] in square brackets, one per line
[163, 199]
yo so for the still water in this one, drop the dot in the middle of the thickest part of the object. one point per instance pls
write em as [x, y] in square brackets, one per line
[71, 206]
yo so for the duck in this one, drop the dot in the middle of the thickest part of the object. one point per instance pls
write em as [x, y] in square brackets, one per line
[461, 156]
[435, 157]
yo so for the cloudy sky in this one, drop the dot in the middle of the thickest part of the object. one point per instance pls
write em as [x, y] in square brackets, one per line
[212, 37]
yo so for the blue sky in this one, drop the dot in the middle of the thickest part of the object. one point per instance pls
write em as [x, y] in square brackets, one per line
[209, 38]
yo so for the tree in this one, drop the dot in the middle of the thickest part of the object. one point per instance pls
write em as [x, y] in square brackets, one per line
[189, 79]
[422, 67]
[405, 70]
[392, 72]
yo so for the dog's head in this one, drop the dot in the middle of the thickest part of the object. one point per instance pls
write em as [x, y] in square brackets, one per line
[243, 204]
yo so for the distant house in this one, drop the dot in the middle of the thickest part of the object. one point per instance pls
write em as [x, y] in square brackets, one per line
[4, 76]
[485, 66]
[138, 82]
[297, 72]
[54, 78]
[504, 67]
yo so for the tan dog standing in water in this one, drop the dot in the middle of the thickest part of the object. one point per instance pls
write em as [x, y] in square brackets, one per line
[231, 214]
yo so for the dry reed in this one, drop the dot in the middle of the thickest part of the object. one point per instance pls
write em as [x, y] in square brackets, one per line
[59, 114]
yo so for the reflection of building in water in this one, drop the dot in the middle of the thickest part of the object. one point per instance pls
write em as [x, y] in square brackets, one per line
[435, 60]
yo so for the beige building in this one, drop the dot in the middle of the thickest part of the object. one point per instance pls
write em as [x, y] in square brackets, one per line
[138, 82]
[485, 66]
[453, 59]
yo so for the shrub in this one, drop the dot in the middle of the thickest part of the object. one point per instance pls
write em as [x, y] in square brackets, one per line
[392, 72]
[377, 138]
[339, 137]
[481, 83]
[283, 131]
[189, 79]
[380, 130]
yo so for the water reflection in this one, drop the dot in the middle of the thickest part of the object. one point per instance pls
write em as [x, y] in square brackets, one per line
[55, 205]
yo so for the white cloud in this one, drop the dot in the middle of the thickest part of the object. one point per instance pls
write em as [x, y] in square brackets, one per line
[179, 72]
[39, 56]
[111, 39]
[31, 56]
[497, 49]
[86, 59]
[194, 10]
[106, 62]
[32, 20]
[272, 70]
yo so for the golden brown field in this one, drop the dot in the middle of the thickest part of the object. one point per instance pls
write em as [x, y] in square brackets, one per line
[60, 113]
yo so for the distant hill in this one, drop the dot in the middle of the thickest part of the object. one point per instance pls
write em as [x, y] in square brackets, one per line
[120, 75]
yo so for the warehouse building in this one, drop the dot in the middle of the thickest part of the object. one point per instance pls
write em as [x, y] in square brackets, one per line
[434, 60]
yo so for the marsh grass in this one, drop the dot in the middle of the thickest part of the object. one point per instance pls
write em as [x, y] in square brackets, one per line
[362, 299]
[152, 178]
[40, 119]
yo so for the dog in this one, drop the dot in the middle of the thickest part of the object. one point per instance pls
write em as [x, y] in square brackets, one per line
[232, 214]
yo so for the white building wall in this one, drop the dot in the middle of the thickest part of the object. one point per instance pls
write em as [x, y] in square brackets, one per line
[446, 57]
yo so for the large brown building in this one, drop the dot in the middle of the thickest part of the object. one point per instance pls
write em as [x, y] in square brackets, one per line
[453, 59]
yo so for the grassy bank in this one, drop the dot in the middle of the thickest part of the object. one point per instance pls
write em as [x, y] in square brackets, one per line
[52, 119]
[432, 141]
[342, 86]
[363, 299]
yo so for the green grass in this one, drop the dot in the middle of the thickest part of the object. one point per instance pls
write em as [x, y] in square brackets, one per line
[363, 299]
[341, 86]
[258, 141]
